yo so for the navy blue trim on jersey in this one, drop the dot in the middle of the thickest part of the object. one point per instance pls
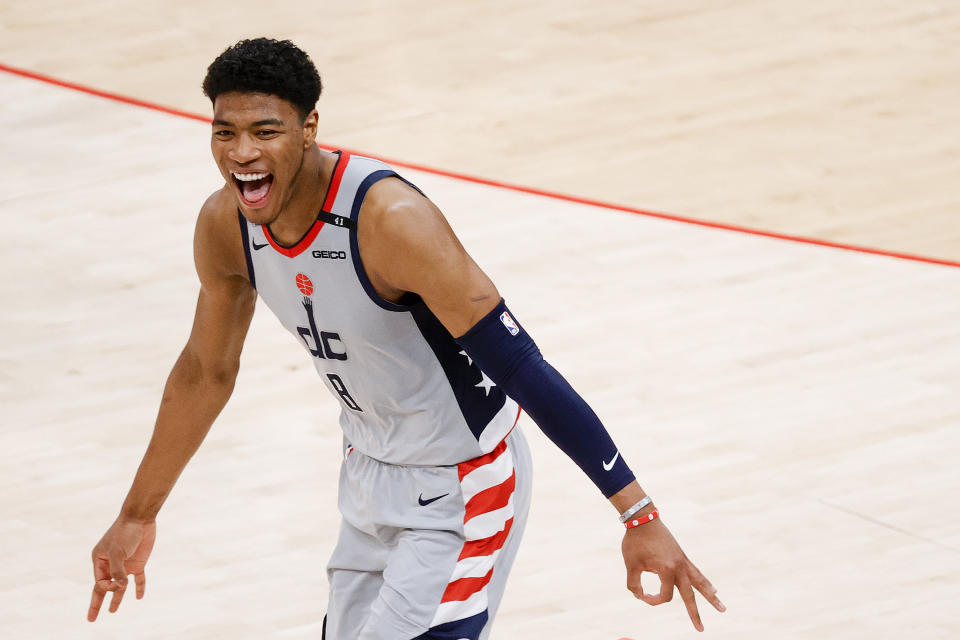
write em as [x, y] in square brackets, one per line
[507, 353]
[478, 404]
[411, 185]
[246, 248]
[368, 182]
[465, 629]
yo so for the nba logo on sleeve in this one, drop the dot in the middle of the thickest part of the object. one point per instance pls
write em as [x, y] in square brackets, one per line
[509, 323]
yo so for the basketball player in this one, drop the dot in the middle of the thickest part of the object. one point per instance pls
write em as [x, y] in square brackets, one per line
[412, 339]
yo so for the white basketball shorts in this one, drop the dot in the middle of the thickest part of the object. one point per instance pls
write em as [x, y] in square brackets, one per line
[424, 552]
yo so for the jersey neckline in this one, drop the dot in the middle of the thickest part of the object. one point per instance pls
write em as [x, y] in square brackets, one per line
[292, 251]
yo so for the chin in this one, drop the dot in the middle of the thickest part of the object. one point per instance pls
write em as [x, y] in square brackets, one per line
[257, 216]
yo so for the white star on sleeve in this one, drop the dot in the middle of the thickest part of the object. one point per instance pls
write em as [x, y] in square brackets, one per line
[486, 383]
[467, 356]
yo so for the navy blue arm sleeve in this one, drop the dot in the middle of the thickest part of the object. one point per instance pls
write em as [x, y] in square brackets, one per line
[509, 357]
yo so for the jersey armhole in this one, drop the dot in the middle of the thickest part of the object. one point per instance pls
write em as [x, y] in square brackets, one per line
[368, 182]
[246, 249]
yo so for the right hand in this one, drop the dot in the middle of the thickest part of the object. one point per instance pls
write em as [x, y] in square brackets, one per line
[651, 547]
[122, 550]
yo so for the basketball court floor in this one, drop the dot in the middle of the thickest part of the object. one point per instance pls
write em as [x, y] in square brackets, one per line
[791, 407]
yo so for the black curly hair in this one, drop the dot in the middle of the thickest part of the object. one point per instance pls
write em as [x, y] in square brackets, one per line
[265, 65]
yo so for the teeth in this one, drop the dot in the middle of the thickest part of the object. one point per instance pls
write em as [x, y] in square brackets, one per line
[250, 177]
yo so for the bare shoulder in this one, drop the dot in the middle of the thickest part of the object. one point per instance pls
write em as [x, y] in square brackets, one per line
[397, 216]
[218, 243]
[407, 245]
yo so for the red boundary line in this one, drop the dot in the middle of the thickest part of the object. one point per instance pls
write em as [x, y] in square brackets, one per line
[503, 185]
[102, 94]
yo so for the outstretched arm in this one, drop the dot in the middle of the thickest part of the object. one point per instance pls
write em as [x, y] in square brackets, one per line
[408, 246]
[197, 389]
[509, 356]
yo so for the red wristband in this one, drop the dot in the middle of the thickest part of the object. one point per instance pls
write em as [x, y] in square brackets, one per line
[636, 522]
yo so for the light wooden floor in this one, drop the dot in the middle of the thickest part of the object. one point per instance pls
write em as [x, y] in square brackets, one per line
[792, 408]
[813, 117]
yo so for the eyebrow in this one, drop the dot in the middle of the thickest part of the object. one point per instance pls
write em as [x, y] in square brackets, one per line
[258, 123]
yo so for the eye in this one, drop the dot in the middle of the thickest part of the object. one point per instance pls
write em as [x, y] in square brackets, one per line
[222, 134]
[267, 133]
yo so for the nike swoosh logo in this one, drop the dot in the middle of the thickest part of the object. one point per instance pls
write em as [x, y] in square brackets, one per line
[424, 503]
[257, 247]
[609, 465]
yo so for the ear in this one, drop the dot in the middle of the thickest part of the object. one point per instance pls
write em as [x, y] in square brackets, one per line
[310, 129]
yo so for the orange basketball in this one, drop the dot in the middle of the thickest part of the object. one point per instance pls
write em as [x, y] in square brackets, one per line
[304, 284]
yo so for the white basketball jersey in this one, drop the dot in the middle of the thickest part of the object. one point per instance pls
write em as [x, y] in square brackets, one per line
[409, 394]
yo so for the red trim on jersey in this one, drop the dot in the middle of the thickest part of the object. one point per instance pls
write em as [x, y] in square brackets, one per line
[311, 235]
[465, 587]
[491, 499]
[335, 181]
[301, 246]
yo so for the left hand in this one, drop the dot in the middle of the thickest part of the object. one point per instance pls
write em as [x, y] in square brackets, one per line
[651, 547]
[123, 550]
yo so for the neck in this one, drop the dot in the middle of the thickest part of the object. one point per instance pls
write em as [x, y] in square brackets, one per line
[309, 187]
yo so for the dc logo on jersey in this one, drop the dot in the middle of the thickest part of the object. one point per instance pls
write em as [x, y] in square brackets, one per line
[509, 323]
[324, 342]
[326, 345]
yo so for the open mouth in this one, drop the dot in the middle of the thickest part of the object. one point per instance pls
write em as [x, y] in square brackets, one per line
[254, 187]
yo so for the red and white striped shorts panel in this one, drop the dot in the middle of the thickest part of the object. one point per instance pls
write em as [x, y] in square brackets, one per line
[487, 484]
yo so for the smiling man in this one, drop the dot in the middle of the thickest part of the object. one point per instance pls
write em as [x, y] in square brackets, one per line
[413, 340]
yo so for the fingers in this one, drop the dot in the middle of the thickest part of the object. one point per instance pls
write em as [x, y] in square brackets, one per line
[667, 580]
[686, 592]
[685, 580]
[115, 581]
[634, 585]
[119, 575]
[101, 584]
[140, 579]
[100, 589]
[117, 596]
[708, 591]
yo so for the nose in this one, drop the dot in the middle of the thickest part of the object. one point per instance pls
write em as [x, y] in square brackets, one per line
[244, 150]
